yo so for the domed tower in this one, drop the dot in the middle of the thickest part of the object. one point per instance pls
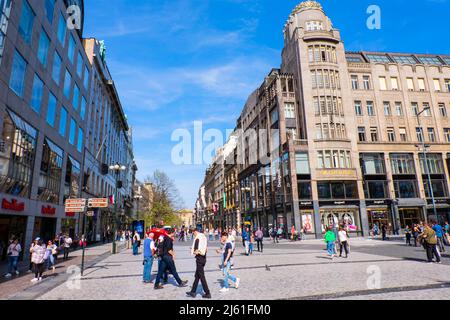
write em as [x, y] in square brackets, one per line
[314, 53]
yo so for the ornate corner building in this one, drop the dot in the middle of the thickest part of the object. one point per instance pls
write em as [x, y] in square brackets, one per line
[359, 137]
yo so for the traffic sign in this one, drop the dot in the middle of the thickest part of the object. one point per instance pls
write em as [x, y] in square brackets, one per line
[98, 203]
[75, 202]
[75, 209]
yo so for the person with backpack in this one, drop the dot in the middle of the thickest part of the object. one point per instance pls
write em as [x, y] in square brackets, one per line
[330, 239]
[13, 253]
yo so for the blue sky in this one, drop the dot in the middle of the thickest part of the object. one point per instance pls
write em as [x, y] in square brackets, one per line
[178, 61]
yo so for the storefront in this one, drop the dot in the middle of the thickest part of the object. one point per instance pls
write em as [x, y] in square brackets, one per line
[410, 216]
[11, 226]
[442, 210]
[68, 226]
[307, 217]
[44, 228]
[379, 213]
[341, 213]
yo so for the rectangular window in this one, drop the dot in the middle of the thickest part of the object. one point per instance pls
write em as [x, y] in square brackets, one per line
[366, 82]
[289, 111]
[431, 135]
[72, 45]
[63, 122]
[83, 108]
[403, 135]
[410, 83]
[355, 82]
[49, 8]
[67, 84]
[383, 85]
[37, 93]
[62, 30]
[402, 163]
[373, 163]
[72, 132]
[419, 134]
[427, 110]
[76, 97]
[421, 84]
[437, 85]
[394, 83]
[374, 134]
[414, 108]
[391, 134]
[362, 134]
[434, 164]
[80, 65]
[51, 110]
[447, 85]
[50, 173]
[358, 108]
[442, 110]
[387, 109]
[447, 135]
[399, 109]
[405, 189]
[86, 78]
[302, 163]
[370, 108]
[80, 140]
[19, 66]
[44, 43]
[26, 22]
[56, 72]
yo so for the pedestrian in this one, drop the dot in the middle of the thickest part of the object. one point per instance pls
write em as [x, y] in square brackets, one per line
[50, 256]
[273, 235]
[259, 236]
[343, 241]
[148, 252]
[13, 253]
[136, 243]
[376, 229]
[408, 236]
[440, 236]
[246, 240]
[37, 258]
[211, 233]
[430, 242]
[216, 234]
[227, 253]
[67, 244]
[252, 241]
[383, 232]
[199, 250]
[293, 232]
[330, 239]
[416, 232]
[279, 233]
[168, 261]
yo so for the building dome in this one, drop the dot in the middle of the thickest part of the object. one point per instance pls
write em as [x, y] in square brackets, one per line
[307, 5]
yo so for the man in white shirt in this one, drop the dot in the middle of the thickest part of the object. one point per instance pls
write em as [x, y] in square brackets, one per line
[199, 250]
[67, 244]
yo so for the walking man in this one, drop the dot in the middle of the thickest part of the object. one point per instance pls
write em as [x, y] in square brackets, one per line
[67, 244]
[149, 251]
[259, 236]
[199, 250]
[440, 236]
[246, 239]
[168, 257]
[430, 241]
[227, 254]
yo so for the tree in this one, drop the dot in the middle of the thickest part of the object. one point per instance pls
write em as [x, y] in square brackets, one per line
[166, 200]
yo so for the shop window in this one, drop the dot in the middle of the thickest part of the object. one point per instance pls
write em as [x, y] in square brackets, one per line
[402, 164]
[439, 188]
[376, 190]
[72, 178]
[373, 163]
[17, 153]
[434, 165]
[337, 190]
[51, 171]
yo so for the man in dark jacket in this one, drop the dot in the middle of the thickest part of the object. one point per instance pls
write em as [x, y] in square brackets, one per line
[430, 242]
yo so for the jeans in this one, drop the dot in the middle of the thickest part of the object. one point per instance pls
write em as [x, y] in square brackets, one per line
[135, 248]
[247, 245]
[228, 276]
[148, 263]
[50, 261]
[12, 264]
[330, 248]
[167, 263]
[440, 243]
[250, 248]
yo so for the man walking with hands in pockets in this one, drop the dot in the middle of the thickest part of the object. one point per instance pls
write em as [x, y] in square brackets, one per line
[199, 250]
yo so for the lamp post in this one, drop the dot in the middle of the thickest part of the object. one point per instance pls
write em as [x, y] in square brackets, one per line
[424, 148]
[117, 168]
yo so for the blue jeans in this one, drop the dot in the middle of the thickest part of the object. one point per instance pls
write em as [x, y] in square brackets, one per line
[12, 264]
[228, 276]
[167, 263]
[148, 263]
[50, 261]
[135, 248]
[331, 248]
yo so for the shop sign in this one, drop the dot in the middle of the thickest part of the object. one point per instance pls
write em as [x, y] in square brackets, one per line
[438, 201]
[382, 202]
[13, 205]
[307, 204]
[340, 203]
[98, 203]
[48, 210]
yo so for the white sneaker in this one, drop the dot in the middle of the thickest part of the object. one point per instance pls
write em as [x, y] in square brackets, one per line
[17, 272]
[223, 290]
[34, 280]
[40, 279]
[8, 275]
[236, 285]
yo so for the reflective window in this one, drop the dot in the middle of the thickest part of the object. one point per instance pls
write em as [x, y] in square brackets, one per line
[16, 82]
[67, 84]
[37, 93]
[51, 110]
[26, 22]
[17, 152]
[302, 162]
[76, 97]
[404, 59]
[375, 189]
[5, 10]
[63, 122]
[83, 108]
[49, 8]
[50, 173]
[402, 163]
[430, 60]
[405, 189]
[373, 163]
[434, 161]
[72, 178]
[378, 58]
[62, 30]
[80, 140]
[337, 190]
[86, 78]
[80, 65]
[56, 72]
[72, 132]
[44, 43]
[72, 45]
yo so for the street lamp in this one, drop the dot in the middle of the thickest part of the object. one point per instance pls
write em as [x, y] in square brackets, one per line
[424, 148]
[117, 168]
[138, 197]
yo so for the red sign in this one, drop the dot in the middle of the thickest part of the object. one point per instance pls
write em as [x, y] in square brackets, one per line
[70, 214]
[48, 210]
[14, 205]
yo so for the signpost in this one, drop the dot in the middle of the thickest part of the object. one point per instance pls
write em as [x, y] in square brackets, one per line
[98, 203]
[78, 206]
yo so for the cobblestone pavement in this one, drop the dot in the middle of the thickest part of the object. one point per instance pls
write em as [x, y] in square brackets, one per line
[20, 287]
[300, 270]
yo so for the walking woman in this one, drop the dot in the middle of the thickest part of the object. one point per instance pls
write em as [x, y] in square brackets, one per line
[330, 239]
[408, 236]
[51, 252]
[13, 252]
[37, 258]
[416, 233]
[343, 242]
